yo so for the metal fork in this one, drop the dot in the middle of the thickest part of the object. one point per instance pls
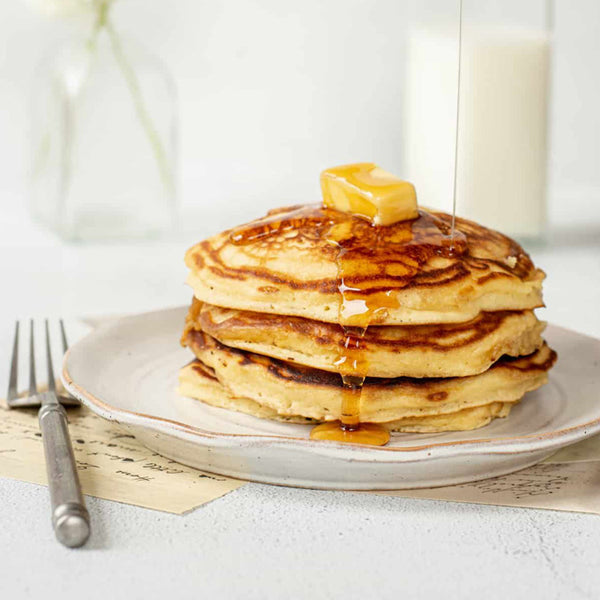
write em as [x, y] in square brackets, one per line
[70, 518]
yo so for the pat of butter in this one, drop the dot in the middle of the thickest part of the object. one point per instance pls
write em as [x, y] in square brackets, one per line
[368, 191]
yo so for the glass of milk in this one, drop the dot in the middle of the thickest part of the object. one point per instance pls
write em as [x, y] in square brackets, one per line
[503, 114]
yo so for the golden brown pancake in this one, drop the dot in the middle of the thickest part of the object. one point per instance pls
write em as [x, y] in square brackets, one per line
[291, 391]
[198, 381]
[444, 350]
[284, 264]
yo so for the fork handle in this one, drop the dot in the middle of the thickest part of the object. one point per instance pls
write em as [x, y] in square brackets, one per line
[70, 518]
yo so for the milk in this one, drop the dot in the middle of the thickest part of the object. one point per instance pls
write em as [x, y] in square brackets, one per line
[501, 179]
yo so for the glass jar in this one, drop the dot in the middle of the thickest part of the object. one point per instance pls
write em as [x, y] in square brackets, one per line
[104, 135]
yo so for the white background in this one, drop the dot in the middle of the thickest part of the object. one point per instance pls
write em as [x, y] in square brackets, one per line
[272, 91]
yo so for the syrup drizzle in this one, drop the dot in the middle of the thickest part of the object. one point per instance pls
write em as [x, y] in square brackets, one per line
[281, 221]
[373, 264]
[356, 312]
[456, 138]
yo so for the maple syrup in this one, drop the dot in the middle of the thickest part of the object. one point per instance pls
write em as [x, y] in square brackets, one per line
[373, 264]
[280, 221]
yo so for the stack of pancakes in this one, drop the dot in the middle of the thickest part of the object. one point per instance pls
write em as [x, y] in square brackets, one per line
[458, 346]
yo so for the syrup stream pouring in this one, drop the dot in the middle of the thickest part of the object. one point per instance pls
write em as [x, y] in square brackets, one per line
[460, 13]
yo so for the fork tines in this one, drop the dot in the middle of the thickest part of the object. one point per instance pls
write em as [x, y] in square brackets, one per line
[33, 399]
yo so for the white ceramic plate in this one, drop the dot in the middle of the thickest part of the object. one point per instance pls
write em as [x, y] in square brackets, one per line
[126, 372]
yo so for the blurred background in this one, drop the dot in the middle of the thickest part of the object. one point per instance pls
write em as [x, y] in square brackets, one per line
[250, 99]
[271, 92]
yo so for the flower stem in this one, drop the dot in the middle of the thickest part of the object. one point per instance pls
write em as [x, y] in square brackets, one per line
[138, 101]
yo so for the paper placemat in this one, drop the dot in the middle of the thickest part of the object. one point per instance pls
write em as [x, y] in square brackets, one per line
[568, 481]
[115, 466]
[111, 463]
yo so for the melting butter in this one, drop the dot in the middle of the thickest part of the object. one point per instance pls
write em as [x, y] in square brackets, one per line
[366, 190]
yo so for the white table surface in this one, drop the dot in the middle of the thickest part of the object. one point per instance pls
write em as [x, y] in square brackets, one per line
[265, 541]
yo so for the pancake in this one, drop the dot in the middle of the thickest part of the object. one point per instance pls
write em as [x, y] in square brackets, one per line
[285, 264]
[293, 391]
[198, 381]
[445, 350]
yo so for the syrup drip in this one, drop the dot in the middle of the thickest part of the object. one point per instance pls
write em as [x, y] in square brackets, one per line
[373, 264]
[355, 315]
[354, 367]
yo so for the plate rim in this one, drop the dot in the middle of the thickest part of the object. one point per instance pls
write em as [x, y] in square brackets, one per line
[507, 445]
